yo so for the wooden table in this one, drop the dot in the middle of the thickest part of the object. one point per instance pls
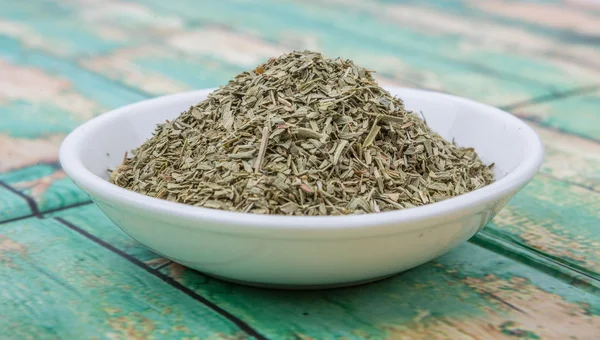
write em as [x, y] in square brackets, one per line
[67, 272]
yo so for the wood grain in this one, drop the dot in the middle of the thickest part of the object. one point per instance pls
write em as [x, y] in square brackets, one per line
[555, 219]
[534, 272]
[470, 291]
[13, 205]
[45, 98]
[59, 284]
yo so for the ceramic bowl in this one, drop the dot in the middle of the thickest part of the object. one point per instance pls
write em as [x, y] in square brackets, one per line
[299, 251]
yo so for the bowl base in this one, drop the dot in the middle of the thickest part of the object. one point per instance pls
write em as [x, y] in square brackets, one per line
[301, 286]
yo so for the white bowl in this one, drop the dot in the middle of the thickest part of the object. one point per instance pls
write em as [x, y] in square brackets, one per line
[298, 251]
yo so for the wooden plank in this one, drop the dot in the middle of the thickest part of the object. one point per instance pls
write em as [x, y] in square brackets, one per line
[484, 37]
[12, 205]
[579, 115]
[57, 27]
[427, 73]
[82, 28]
[45, 98]
[157, 70]
[380, 27]
[555, 17]
[539, 55]
[470, 292]
[570, 159]
[47, 185]
[583, 5]
[569, 21]
[84, 218]
[556, 220]
[59, 284]
[29, 166]
[59, 82]
[294, 27]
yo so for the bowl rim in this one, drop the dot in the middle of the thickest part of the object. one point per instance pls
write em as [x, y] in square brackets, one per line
[98, 187]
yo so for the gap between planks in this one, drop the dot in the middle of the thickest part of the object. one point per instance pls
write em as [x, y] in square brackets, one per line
[167, 279]
[41, 214]
[30, 201]
[538, 261]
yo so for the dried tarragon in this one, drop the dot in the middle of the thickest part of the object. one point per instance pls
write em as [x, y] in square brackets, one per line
[301, 135]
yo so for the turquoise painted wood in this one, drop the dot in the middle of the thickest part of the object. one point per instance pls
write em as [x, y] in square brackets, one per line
[13, 205]
[470, 286]
[59, 284]
[70, 273]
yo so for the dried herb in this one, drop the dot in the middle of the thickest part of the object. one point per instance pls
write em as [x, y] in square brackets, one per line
[301, 135]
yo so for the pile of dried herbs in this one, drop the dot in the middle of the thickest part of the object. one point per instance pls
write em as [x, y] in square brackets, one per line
[301, 135]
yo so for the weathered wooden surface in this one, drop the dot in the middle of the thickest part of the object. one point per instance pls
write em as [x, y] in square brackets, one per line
[68, 272]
